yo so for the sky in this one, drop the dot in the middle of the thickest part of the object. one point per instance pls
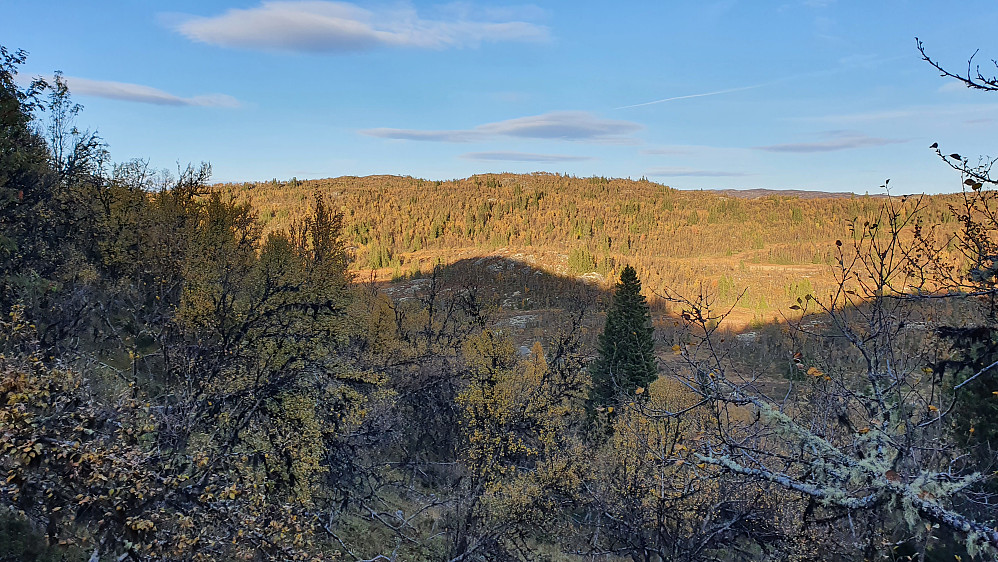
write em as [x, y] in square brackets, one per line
[797, 94]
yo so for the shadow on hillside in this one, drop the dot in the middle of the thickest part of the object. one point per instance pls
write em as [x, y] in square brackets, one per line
[535, 304]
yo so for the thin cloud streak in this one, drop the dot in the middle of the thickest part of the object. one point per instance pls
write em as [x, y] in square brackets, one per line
[564, 125]
[844, 65]
[841, 143]
[144, 94]
[430, 136]
[523, 157]
[319, 26]
[556, 125]
[703, 95]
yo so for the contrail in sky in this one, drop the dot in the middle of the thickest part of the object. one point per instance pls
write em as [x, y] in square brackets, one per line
[694, 96]
[843, 66]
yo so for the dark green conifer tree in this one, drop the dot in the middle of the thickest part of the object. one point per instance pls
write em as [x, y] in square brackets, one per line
[625, 360]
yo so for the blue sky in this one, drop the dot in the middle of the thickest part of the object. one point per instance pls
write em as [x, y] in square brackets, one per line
[812, 94]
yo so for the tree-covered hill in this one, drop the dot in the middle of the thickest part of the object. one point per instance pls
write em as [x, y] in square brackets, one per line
[774, 246]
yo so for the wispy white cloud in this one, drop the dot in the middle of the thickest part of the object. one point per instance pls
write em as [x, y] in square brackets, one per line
[431, 136]
[564, 125]
[693, 172]
[840, 140]
[556, 125]
[143, 94]
[523, 157]
[317, 26]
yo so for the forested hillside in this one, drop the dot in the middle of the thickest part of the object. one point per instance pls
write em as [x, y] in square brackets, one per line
[196, 372]
[775, 247]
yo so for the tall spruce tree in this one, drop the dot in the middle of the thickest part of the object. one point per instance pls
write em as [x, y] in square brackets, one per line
[625, 361]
